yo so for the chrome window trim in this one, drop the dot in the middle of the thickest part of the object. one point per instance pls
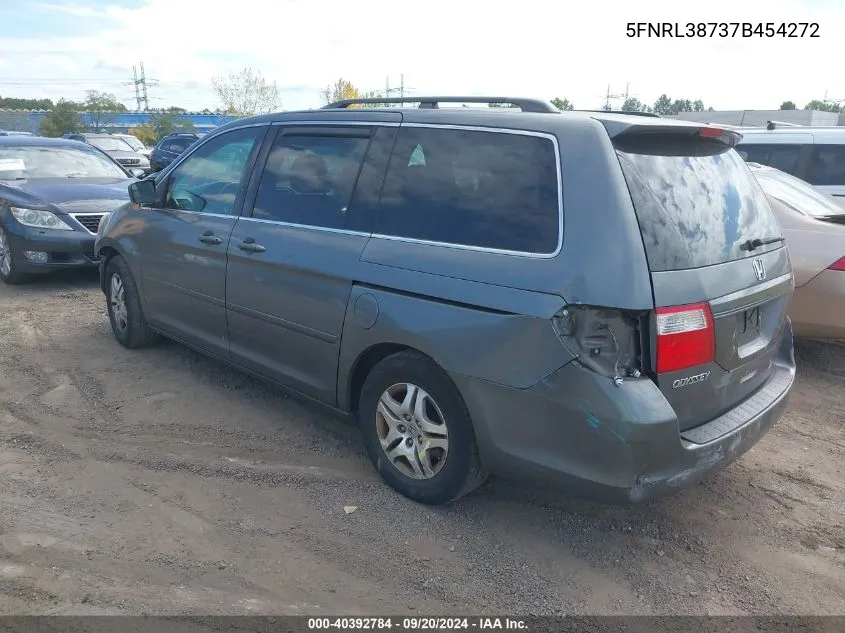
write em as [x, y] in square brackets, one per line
[466, 247]
[325, 229]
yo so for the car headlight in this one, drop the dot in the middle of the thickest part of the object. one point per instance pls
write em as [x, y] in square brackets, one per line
[40, 219]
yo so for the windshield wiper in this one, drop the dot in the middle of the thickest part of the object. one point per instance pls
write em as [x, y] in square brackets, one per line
[750, 245]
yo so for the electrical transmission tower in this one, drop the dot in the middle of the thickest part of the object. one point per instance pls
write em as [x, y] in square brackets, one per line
[400, 90]
[141, 82]
[609, 96]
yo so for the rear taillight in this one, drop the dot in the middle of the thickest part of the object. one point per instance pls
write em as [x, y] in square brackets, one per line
[710, 132]
[839, 264]
[685, 337]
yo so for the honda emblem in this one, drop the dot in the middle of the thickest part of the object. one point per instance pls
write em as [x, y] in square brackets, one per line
[759, 269]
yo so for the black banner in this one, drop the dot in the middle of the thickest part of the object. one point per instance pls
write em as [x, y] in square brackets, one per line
[402, 624]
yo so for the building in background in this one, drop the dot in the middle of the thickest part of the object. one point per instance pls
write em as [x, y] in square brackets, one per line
[814, 118]
[122, 122]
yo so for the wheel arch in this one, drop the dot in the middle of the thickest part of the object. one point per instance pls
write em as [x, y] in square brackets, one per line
[363, 365]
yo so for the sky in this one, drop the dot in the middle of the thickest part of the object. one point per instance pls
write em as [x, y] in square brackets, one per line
[530, 48]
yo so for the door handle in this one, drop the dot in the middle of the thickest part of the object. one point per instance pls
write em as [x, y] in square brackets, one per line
[209, 238]
[250, 246]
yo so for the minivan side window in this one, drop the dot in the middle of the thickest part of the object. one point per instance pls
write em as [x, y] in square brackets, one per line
[783, 157]
[827, 165]
[212, 177]
[472, 188]
[309, 178]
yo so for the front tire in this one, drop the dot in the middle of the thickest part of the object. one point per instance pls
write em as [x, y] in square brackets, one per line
[417, 430]
[124, 305]
[7, 261]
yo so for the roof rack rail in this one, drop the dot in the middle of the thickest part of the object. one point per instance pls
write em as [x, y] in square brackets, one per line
[631, 112]
[526, 105]
[771, 125]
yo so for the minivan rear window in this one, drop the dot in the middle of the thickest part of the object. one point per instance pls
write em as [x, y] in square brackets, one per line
[493, 190]
[696, 201]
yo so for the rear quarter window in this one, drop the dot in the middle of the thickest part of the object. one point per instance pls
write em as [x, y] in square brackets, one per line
[472, 188]
[827, 165]
[783, 157]
[696, 201]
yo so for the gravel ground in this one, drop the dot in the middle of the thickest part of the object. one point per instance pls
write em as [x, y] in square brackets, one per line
[161, 482]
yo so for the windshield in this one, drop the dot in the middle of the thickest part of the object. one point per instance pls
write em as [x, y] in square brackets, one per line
[797, 194]
[57, 162]
[110, 144]
[133, 142]
[696, 201]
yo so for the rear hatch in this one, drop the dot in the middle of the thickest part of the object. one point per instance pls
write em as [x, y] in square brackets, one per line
[720, 272]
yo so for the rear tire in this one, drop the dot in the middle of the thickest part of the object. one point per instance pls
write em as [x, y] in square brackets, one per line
[124, 305]
[7, 261]
[417, 430]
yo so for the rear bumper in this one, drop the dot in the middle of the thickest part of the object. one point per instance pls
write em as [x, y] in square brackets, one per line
[818, 307]
[615, 444]
[65, 249]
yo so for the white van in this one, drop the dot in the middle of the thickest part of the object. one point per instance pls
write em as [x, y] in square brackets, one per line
[813, 154]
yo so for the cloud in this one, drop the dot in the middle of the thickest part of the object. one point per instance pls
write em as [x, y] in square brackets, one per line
[531, 47]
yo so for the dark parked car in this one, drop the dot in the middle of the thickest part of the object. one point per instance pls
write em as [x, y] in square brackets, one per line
[169, 148]
[53, 194]
[593, 299]
[118, 148]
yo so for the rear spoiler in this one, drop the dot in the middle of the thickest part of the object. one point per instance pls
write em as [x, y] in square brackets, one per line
[618, 130]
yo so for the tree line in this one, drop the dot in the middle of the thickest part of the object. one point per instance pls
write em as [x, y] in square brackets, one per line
[247, 93]
[815, 104]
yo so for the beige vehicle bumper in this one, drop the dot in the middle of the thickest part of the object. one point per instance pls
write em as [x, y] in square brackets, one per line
[818, 307]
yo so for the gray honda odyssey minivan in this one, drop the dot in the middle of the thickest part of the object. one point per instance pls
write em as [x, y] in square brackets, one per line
[586, 298]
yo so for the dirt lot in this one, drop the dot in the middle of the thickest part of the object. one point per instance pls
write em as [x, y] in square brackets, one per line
[161, 482]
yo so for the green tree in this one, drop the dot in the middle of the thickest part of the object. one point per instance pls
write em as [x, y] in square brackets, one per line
[562, 104]
[681, 105]
[13, 103]
[632, 104]
[246, 93]
[787, 105]
[101, 108]
[822, 106]
[663, 105]
[62, 119]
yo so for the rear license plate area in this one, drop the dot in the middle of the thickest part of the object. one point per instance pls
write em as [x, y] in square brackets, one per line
[749, 322]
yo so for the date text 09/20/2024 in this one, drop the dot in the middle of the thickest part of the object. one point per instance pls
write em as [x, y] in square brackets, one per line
[722, 29]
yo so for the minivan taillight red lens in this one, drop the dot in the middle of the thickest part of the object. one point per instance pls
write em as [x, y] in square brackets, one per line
[685, 337]
[839, 264]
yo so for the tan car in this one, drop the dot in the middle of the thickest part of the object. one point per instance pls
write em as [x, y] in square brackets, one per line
[813, 224]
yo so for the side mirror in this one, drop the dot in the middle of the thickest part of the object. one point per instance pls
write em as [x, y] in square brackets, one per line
[143, 192]
[136, 173]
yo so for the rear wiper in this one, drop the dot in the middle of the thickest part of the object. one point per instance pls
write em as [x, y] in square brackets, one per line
[750, 245]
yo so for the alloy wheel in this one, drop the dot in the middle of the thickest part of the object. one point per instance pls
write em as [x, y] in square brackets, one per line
[117, 298]
[412, 431]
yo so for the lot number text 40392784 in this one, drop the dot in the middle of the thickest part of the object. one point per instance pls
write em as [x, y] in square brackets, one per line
[722, 29]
